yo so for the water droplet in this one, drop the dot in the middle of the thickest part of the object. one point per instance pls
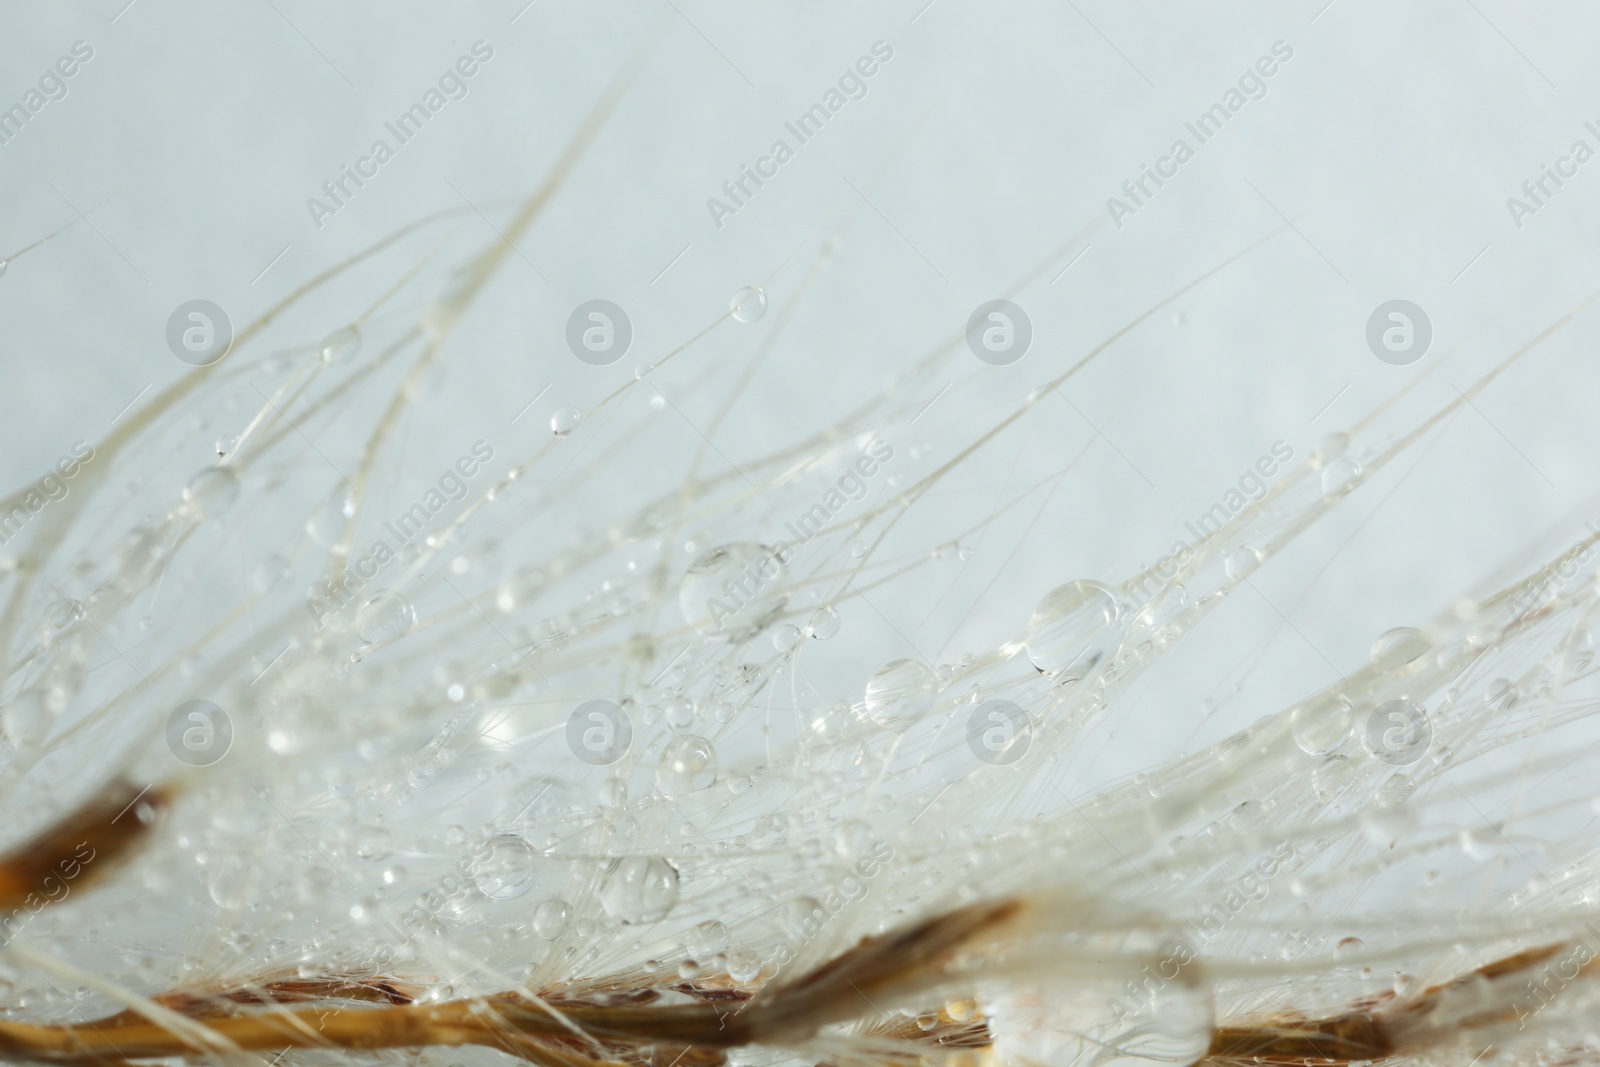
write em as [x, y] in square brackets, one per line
[743, 965]
[1383, 825]
[639, 889]
[688, 764]
[4, 263]
[1340, 475]
[1242, 562]
[385, 616]
[749, 303]
[62, 620]
[825, 623]
[680, 712]
[29, 718]
[707, 939]
[226, 445]
[902, 688]
[1321, 724]
[1478, 844]
[1073, 627]
[565, 421]
[507, 872]
[1328, 449]
[1399, 646]
[376, 843]
[733, 589]
[785, 637]
[326, 525]
[1348, 947]
[927, 1020]
[341, 345]
[212, 491]
[271, 573]
[1578, 652]
[1332, 777]
[550, 918]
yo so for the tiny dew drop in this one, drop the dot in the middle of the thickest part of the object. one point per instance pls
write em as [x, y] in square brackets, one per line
[1321, 724]
[785, 637]
[227, 444]
[551, 917]
[743, 965]
[29, 718]
[565, 421]
[639, 889]
[326, 526]
[1074, 626]
[707, 939]
[385, 616]
[825, 623]
[4, 263]
[1340, 475]
[270, 574]
[688, 764]
[734, 589]
[1242, 562]
[507, 871]
[749, 304]
[1328, 449]
[902, 688]
[341, 345]
[1399, 646]
[212, 491]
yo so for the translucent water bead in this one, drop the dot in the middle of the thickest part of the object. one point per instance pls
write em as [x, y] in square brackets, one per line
[749, 304]
[507, 870]
[688, 764]
[565, 421]
[1074, 626]
[734, 589]
[340, 345]
[901, 689]
[551, 917]
[639, 889]
[212, 492]
[385, 616]
[1341, 475]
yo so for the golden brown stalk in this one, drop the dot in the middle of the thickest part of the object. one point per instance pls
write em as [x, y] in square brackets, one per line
[563, 1028]
[80, 848]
